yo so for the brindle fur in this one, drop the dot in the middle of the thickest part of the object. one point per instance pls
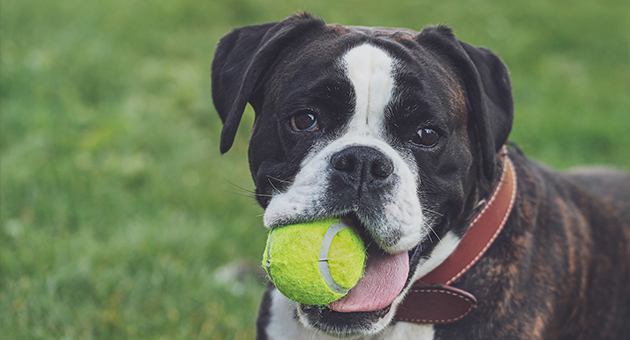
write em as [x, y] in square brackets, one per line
[560, 269]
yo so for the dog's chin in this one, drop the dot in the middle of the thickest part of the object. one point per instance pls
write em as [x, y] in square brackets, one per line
[356, 324]
[344, 325]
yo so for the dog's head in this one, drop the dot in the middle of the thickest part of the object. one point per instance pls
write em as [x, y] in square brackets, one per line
[393, 130]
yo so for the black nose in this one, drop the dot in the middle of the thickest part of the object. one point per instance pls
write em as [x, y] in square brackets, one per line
[362, 164]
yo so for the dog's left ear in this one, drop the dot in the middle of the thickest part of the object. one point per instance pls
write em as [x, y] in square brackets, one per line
[488, 89]
[242, 61]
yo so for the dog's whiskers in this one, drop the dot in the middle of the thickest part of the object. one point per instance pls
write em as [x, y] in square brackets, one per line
[248, 193]
[434, 233]
[269, 178]
[239, 187]
[433, 212]
[279, 180]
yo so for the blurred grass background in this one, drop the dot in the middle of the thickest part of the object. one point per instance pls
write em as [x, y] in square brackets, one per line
[119, 217]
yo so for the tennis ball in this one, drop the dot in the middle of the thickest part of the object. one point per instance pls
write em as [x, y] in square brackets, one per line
[314, 263]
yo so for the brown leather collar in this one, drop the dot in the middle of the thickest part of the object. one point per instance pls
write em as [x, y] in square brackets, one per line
[430, 299]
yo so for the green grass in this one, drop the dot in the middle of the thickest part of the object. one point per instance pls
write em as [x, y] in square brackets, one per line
[119, 217]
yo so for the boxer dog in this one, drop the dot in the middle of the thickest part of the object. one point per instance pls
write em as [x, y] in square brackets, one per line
[402, 134]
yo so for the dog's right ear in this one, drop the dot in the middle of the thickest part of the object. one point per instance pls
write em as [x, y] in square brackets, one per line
[242, 62]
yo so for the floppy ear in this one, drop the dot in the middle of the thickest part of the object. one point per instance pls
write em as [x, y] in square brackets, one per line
[242, 61]
[488, 89]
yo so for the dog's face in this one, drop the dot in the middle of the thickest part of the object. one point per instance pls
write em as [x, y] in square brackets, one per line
[393, 130]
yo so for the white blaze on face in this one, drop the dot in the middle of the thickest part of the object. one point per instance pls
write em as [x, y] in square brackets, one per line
[370, 71]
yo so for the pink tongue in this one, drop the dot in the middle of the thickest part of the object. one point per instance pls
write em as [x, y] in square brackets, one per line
[385, 276]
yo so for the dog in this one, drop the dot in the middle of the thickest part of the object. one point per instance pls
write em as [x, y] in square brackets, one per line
[403, 134]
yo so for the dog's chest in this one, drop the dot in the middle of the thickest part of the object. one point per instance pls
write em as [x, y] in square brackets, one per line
[283, 325]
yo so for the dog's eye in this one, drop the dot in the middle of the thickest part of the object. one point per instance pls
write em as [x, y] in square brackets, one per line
[426, 137]
[304, 121]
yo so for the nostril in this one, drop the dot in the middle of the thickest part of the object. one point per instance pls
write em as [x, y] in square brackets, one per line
[343, 162]
[382, 168]
[362, 163]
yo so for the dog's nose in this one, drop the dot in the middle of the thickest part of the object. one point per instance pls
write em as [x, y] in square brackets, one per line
[362, 164]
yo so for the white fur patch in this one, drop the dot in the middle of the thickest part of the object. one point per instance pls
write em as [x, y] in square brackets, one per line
[370, 72]
[441, 252]
[407, 331]
[284, 326]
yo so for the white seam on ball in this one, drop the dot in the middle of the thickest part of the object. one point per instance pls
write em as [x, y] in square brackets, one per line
[324, 269]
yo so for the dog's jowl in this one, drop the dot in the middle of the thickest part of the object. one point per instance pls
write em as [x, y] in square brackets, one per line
[403, 134]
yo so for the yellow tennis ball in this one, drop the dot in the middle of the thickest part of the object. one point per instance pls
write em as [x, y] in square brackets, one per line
[314, 263]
